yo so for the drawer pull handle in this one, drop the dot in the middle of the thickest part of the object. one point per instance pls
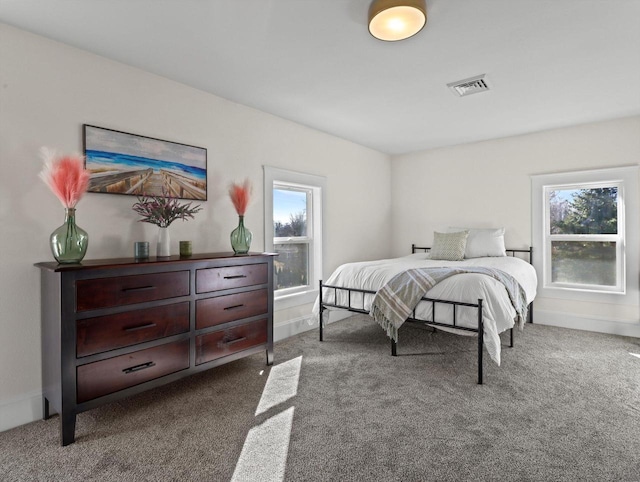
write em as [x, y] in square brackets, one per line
[141, 327]
[233, 307]
[236, 276]
[237, 340]
[137, 368]
[141, 288]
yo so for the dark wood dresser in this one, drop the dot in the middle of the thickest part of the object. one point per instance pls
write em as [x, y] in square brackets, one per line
[116, 327]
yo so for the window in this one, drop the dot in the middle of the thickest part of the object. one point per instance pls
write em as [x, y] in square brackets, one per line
[292, 236]
[586, 233]
[293, 229]
[584, 236]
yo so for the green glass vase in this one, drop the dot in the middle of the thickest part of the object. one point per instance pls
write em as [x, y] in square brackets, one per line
[241, 238]
[69, 242]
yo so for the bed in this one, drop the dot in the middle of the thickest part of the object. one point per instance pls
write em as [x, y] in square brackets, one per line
[467, 304]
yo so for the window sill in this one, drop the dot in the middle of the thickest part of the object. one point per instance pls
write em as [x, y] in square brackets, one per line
[612, 297]
[293, 300]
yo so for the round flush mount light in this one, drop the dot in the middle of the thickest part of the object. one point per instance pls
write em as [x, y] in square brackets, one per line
[392, 20]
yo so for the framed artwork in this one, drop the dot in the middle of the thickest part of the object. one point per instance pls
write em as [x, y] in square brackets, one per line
[123, 163]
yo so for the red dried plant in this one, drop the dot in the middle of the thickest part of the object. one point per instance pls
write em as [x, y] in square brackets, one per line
[240, 195]
[65, 176]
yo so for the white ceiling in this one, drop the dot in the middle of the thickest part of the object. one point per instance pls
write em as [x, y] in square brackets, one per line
[549, 63]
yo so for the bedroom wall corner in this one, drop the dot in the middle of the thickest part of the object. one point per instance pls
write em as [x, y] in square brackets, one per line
[488, 184]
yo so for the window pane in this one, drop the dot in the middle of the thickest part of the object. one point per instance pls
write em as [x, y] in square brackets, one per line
[590, 263]
[584, 211]
[289, 213]
[292, 266]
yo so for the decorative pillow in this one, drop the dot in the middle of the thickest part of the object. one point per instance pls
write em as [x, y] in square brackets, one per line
[449, 246]
[483, 242]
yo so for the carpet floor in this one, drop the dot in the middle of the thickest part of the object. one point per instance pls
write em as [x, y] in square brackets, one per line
[564, 406]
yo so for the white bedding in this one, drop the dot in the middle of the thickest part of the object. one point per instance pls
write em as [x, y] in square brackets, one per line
[498, 313]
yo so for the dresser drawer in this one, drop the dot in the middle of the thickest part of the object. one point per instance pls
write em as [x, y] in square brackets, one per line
[108, 376]
[214, 279]
[226, 342]
[103, 333]
[214, 311]
[126, 290]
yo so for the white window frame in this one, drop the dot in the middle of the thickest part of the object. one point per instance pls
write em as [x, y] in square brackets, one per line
[308, 239]
[627, 240]
[619, 238]
[316, 188]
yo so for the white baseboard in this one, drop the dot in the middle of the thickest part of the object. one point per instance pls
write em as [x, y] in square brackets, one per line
[292, 327]
[302, 324]
[578, 322]
[21, 410]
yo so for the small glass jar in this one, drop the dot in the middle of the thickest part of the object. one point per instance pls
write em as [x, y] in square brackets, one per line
[185, 248]
[141, 250]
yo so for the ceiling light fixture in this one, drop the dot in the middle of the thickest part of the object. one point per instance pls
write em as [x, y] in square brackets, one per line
[392, 20]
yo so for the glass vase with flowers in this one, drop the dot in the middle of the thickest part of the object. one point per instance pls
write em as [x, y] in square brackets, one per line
[68, 180]
[240, 195]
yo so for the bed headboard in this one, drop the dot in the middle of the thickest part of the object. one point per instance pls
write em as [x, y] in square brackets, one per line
[526, 254]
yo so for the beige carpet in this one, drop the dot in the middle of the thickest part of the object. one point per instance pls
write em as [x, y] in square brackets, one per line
[564, 405]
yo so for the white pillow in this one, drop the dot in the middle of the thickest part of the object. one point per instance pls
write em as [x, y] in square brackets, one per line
[449, 246]
[483, 242]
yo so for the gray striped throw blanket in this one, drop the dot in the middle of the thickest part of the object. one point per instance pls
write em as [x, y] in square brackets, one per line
[394, 302]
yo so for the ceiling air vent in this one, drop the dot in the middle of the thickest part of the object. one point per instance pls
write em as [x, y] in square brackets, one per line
[469, 86]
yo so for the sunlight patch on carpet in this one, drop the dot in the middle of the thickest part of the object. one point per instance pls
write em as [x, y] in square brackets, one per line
[635, 354]
[281, 385]
[264, 454]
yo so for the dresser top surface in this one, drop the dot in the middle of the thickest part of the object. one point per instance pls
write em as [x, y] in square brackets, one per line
[152, 260]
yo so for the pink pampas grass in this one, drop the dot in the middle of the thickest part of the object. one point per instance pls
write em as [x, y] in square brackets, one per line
[65, 176]
[240, 195]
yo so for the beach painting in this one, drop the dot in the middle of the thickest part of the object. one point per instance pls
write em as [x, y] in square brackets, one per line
[122, 163]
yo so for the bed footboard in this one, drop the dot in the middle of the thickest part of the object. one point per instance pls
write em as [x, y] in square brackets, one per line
[349, 292]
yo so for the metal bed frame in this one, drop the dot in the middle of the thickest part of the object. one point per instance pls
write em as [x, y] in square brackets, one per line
[394, 349]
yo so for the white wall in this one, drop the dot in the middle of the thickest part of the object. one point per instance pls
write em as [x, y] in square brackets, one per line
[48, 90]
[488, 184]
